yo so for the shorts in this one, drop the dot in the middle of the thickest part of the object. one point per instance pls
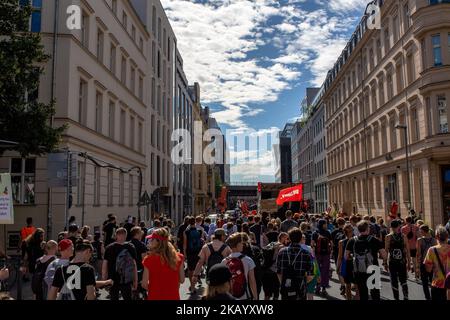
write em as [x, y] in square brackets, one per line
[271, 283]
[413, 253]
[192, 261]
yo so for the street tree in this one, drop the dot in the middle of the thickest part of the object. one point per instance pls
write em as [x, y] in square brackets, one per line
[23, 119]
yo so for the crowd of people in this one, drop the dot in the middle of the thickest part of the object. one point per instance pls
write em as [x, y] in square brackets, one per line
[244, 257]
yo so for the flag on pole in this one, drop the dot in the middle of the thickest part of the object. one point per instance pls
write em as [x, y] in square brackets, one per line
[294, 194]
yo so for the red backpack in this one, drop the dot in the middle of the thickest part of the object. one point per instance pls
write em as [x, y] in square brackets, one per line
[238, 279]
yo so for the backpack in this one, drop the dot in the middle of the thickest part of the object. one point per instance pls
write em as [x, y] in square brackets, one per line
[323, 245]
[338, 237]
[238, 279]
[65, 294]
[363, 259]
[396, 249]
[293, 287]
[426, 244]
[375, 230]
[125, 267]
[194, 244]
[215, 257]
[410, 234]
[39, 274]
[268, 255]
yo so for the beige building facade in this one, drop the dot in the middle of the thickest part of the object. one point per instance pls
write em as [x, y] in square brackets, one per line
[390, 89]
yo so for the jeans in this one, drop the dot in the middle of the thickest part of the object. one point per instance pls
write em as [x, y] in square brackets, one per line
[398, 272]
[125, 289]
[361, 283]
[324, 267]
[426, 278]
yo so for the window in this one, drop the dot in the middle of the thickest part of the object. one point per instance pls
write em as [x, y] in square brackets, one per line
[122, 126]
[437, 55]
[390, 85]
[141, 44]
[23, 179]
[121, 188]
[374, 99]
[98, 112]
[130, 190]
[411, 68]
[132, 133]
[387, 41]
[36, 7]
[112, 59]
[415, 134]
[112, 119]
[152, 130]
[82, 103]
[133, 79]
[448, 44]
[384, 148]
[141, 88]
[168, 48]
[158, 132]
[153, 55]
[80, 183]
[164, 39]
[395, 26]
[140, 136]
[110, 187]
[85, 29]
[429, 115]
[381, 91]
[96, 186]
[123, 74]
[152, 169]
[153, 93]
[159, 33]
[378, 47]
[154, 21]
[114, 6]
[442, 113]
[393, 135]
[125, 20]
[100, 44]
[399, 77]
[424, 54]
[158, 100]
[159, 64]
[407, 16]
[372, 59]
[158, 171]
[133, 33]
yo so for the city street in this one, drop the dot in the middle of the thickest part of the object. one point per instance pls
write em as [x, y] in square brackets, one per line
[415, 290]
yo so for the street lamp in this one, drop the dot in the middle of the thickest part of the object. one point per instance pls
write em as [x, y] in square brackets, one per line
[404, 127]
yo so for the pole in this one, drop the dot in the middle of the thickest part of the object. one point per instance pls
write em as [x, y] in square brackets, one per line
[83, 209]
[407, 168]
[66, 207]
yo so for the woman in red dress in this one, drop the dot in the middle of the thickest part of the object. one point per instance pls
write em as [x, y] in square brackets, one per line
[163, 268]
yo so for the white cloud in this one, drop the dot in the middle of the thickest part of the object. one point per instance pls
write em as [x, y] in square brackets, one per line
[344, 6]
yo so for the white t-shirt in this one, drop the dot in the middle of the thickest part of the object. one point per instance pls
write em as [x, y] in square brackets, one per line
[249, 265]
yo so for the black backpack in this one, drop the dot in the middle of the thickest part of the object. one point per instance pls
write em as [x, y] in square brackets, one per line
[215, 257]
[397, 248]
[39, 274]
[268, 255]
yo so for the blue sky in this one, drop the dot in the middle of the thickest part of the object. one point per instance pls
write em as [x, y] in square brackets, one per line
[254, 59]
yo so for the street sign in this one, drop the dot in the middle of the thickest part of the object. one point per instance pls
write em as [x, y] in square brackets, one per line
[144, 200]
[59, 166]
[6, 200]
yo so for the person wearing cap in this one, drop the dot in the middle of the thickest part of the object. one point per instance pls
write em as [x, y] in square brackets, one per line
[219, 284]
[65, 248]
[216, 247]
[163, 268]
[399, 259]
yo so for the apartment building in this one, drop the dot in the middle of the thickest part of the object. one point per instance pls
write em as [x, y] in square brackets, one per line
[387, 97]
[113, 86]
[182, 119]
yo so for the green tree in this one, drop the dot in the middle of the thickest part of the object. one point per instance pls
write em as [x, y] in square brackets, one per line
[22, 118]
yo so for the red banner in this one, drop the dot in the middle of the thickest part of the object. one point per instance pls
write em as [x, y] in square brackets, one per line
[290, 195]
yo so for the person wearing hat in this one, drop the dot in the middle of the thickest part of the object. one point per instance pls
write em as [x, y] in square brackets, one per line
[163, 268]
[65, 249]
[219, 277]
[399, 260]
[212, 253]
